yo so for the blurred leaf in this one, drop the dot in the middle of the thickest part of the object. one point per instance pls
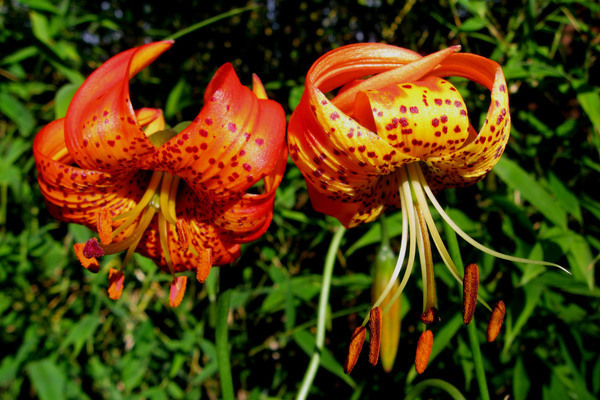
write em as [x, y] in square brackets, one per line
[521, 382]
[18, 113]
[80, 333]
[179, 98]
[48, 379]
[63, 99]
[589, 99]
[533, 192]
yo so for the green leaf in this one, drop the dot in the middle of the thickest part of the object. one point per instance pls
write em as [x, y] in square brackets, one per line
[48, 379]
[81, 332]
[515, 177]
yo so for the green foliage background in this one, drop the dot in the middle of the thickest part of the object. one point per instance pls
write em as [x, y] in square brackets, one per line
[62, 338]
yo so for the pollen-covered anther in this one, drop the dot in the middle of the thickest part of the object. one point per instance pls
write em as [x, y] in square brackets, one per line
[496, 321]
[91, 264]
[104, 226]
[115, 281]
[470, 289]
[177, 290]
[183, 234]
[355, 347]
[92, 249]
[430, 316]
[423, 351]
[374, 335]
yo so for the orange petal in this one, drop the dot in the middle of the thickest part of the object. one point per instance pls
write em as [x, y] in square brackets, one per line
[115, 280]
[355, 347]
[177, 290]
[233, 143]
[101, 130]
[90, 264]
[424, 347]
[74, 194]
[421, 119]
[482, 150]
[105, 225]
[470, 289]
[183, 234]
[257, 87]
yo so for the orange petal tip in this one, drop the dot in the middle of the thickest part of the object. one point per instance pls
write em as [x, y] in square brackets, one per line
[177, 290]
[470, 289]
[91, 264]
[115, 280]
[355, 347]
[496, 321]
[257, 87]
[375, 335]
[423, 351]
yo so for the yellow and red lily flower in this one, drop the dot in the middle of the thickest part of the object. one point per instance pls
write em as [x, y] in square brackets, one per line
[179, 198]
[394, 134]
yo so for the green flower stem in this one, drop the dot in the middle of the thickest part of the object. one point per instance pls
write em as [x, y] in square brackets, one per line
[471, 328]
[222, 343]
[211, 20]
[311, 371]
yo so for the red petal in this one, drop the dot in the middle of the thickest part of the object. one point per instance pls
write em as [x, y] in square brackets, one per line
[102, 132]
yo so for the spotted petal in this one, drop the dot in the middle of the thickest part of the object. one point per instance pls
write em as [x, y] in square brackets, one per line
[233, 143]
[477, 157]
[101, 129]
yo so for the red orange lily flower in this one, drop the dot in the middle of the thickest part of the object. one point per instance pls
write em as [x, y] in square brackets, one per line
[395, 133]
[179, 198]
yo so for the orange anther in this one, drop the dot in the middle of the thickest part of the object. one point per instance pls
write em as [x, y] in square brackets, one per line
[496, 321]
[183, 234]
[115, 280]
[423, 351]
[430, 316]
[91, 264]
[356, 344]
[177, 290]
[204, 265]
[375, 335]
[104, 226]
[470, 288]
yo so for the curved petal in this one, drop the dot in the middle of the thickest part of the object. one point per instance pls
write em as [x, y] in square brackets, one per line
[74, 194]
[101, 130]
[234, 142]
[421, 119]
[476, 158]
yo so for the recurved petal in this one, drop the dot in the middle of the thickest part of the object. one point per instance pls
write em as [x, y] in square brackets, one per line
[422, 119]
[75, 194]
[233, 143]
[101, 129]
[477, 157]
